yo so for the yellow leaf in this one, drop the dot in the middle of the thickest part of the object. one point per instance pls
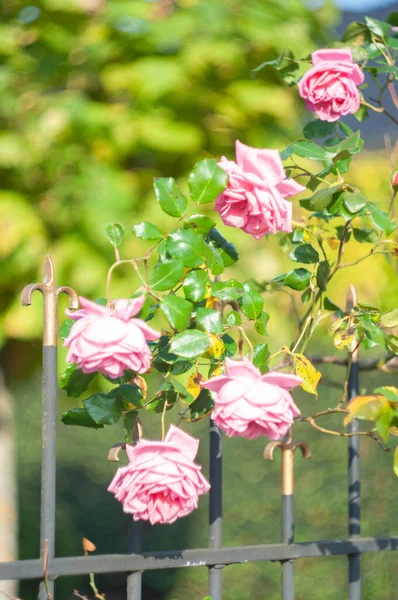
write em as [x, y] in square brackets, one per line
[344, 338]
[211, 302]
[193, 384]
[396, 461]
[88, 546]
[336, 325]
[368, 408]
[306, 370]
[333, 243]
[219, 370]
[216, 348]
[141, 383]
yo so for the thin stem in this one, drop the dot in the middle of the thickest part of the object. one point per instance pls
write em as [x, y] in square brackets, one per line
[248, 342]
[94, 588]
[163, 418]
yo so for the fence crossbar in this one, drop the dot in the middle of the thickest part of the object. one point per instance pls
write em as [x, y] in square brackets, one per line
[150, 561]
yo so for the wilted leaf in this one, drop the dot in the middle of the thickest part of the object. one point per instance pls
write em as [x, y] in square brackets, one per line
[367, 408]
[193, 384]
[306, 370]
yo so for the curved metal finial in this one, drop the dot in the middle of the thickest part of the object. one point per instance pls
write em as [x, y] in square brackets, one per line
[50, 300]
[113, 454]
[305, 449]
[269, 449]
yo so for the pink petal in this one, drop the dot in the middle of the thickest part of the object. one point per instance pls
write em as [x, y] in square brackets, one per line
[331, 54]
[186, 443]
[286, 381]
[265, 163]
[241, 369]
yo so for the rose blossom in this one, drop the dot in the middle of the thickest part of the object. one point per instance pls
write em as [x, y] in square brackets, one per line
[161, 483]
[110, 340]
[248, 404]
[254, 199]
[330, 86]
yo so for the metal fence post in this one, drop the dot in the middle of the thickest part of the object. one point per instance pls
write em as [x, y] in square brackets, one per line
[354, 483]
[134, 581]
[49, 412]
[215, 508]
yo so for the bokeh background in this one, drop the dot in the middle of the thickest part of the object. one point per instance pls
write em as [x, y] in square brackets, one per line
[96, 98]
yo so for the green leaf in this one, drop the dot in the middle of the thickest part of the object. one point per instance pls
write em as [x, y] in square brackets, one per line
[396, 461]
[284, 63]
[186, 245]
[171, 200]
[298, 279]
[365, 235]
[74, 381]
[230, 346]
[392, 19]
[129, 424]
[389, 392]
[166, 275]
[260, 324]
[65, 328]
[147, 231]
[207, 181]
[305, 253]
[209, 320]
[177, 311]
[201, 223]
[377, 27]
[190, 343]
[166, 393]
[213, 260]
[251, 302]
[354, 201]
[329, 305]
[311, 150]
[202, 406]
[354, 30]
[227, 290]
[352, 144]
[318, 129]
[322, 198]
[115, 233]
[322, 275]
[381, 220]
[104, 409]
[195, 285]
[390, 319]
[261, 355]
[79, 417]
[130, 393]
[233, 318]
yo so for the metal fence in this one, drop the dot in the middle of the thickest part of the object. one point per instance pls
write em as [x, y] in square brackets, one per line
[46, 568]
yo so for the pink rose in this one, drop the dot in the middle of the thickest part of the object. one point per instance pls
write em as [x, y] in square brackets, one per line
[330, 86]
[248, 404]
[254, 199]
[161, 483]
[109, 340]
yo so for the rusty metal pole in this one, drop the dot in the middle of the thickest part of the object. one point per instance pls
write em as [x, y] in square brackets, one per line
[288, 448]
[50, 294]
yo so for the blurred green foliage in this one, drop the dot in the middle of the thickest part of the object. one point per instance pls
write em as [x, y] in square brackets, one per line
[97, 97]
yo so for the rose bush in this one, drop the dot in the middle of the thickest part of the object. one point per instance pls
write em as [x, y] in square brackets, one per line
[205, 360]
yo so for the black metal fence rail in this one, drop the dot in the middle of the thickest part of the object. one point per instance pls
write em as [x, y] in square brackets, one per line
[215, 557]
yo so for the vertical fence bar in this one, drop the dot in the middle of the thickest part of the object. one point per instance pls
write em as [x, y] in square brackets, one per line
[134, 581]
[215, 508]
[354, 489]
[49, 412]
[287, 529]
[354, 483]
